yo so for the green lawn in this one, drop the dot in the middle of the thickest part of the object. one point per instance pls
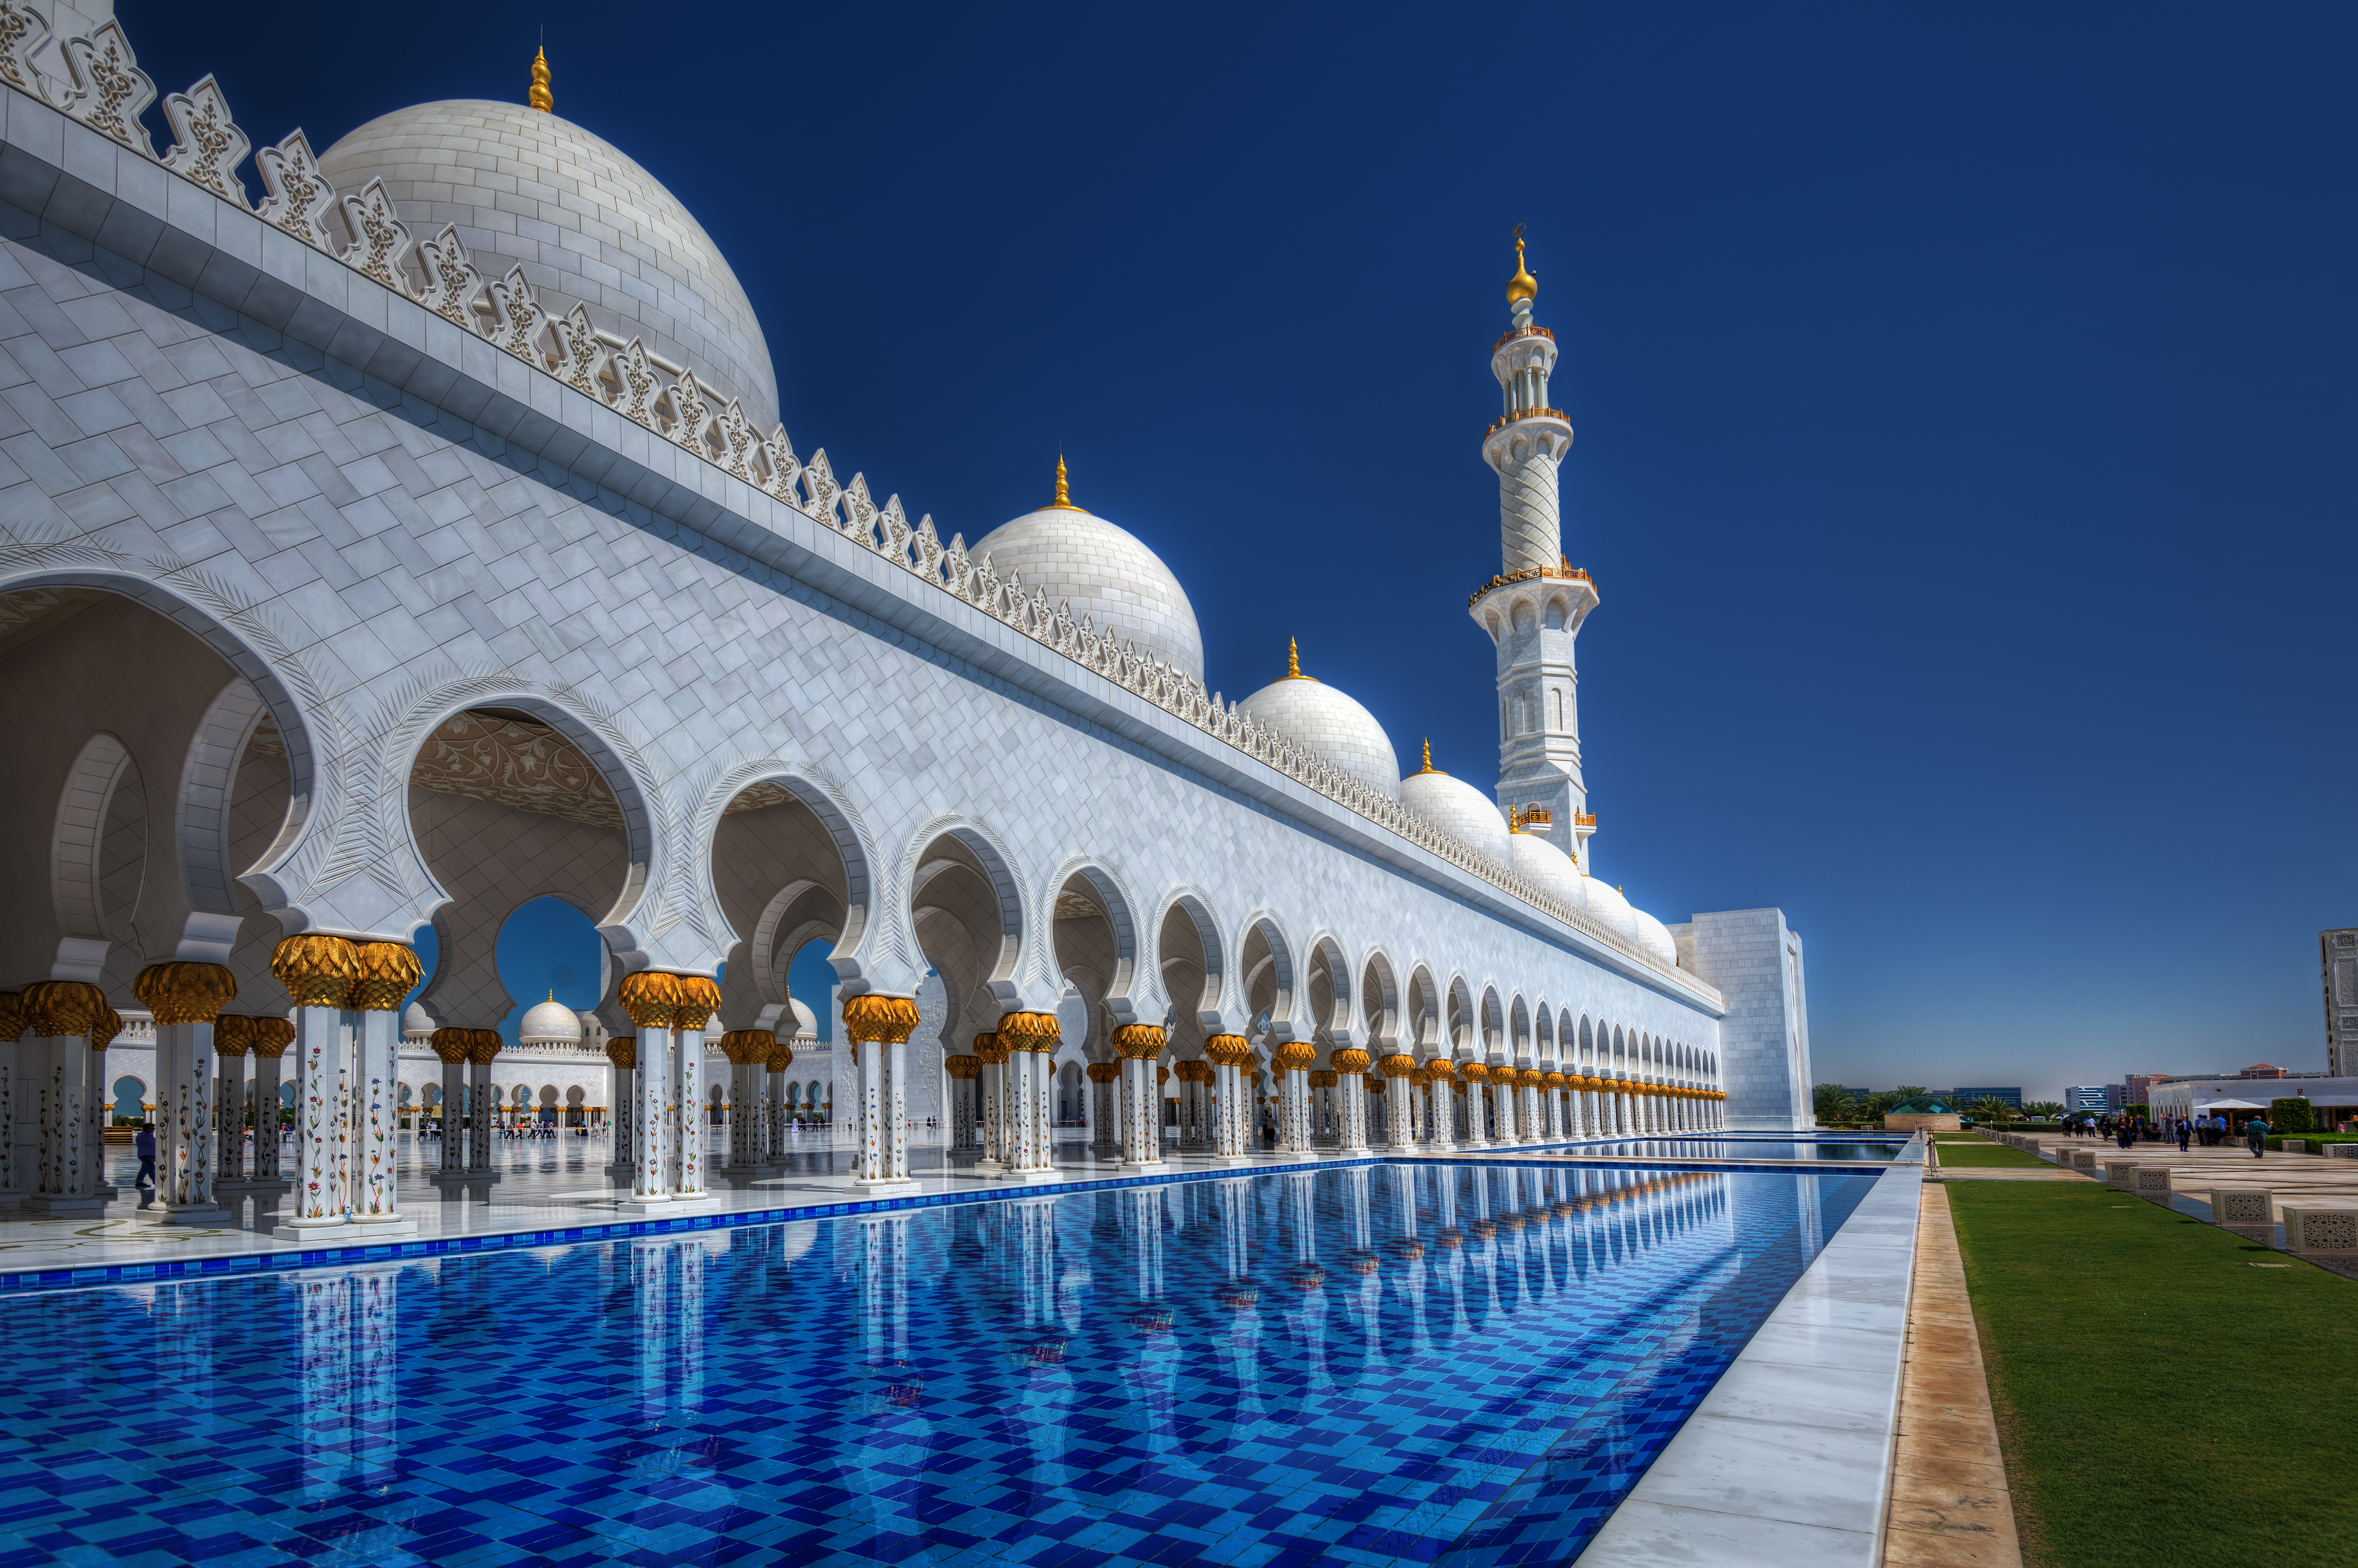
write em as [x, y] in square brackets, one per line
[2161, 1400]
[1977, 1152]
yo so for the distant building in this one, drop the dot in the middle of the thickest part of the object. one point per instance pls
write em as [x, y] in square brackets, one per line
[2088, 1096]
[2337, 953]
[2262, 1070]
[2332, 1100]
[2012, 1097]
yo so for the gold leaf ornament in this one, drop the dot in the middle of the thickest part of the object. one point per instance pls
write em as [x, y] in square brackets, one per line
[317, 970]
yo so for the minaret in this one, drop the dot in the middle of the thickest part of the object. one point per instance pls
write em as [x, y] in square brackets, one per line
[1533, 608]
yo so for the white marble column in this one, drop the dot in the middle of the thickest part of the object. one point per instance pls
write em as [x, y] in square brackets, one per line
[271, 1038]
[622, 1108]
[1351, 1087]
[990, 1104]
[184, 998]
[1399, 1118]
[1441, 1115]
[232, 1038]
[1227, 1053]
[1293, 1098]
[689, 1158]
[1141, 1047]
[321, 1085]
[450, 1049]
[879, 1027]
[482, 1102]
[376, 1105]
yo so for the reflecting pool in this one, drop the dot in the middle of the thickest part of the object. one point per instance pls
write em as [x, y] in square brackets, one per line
[1388, 1364]
[1748, 1149]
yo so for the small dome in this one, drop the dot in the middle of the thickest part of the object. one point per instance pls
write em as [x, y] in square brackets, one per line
[588, 225]
[550, 1023]
[1922, 1105]
[415, 1020]
[1457, 807]
[1656, 937]
[1606, 902]
[1551, 868]
[806, 1021]
[1317, 717]
[1104, 573]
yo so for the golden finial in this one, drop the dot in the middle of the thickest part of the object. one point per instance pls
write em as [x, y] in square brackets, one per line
[1428, 758]
[1522, 285]
[1063, 487]
[541, 98]
[1292, 659]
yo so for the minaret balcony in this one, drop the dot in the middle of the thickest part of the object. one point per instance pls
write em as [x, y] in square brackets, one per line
[1560, 596]
[1521, 438]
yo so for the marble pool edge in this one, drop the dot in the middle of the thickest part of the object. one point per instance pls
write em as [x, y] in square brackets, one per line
[265, 1258]
[1787, 1460]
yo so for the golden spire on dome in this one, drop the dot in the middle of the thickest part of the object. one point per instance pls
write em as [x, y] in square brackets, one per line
[540, 97]
[1522, 285]
[1063, 487]
[1292, 659]
[1428, 767]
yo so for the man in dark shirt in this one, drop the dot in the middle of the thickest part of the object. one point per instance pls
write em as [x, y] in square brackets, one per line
[145, 1142]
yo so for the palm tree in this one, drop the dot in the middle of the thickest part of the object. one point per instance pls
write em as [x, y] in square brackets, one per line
[1833, 1103]
[1989, 1108]
[2045, 1111]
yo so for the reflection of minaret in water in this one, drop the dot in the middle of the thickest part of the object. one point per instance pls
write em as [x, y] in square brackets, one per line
[1533, 608]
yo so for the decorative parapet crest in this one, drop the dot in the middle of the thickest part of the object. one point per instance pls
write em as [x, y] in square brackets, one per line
[107, 91]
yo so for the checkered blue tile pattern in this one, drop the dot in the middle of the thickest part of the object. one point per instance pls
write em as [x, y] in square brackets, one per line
[1405, 1363]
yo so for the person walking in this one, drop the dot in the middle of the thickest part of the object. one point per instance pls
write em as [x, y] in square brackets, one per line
[2185, 1133]
[2255, 1135]
[143, 1142]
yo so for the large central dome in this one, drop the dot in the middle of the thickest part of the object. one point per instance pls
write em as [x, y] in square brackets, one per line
[588, 225]
[1104, 573]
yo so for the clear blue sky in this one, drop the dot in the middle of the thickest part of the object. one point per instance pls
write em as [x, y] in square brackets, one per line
[1963, 402]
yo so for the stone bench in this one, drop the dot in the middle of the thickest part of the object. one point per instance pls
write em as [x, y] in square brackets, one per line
[2341, 1151]
[2083, 1161]
[2321, 1230]
[2249, 1212]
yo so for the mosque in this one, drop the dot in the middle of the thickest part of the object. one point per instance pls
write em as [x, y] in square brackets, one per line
[421, 540]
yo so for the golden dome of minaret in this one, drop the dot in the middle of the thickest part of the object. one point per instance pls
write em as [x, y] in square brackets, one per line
[1522, 285]
[540, 97]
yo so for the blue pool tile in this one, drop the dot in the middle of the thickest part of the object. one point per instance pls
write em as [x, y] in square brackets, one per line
[1454, 1362]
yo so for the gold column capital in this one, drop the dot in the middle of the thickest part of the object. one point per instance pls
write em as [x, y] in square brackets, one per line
[106, 1026]
[651, 998]
[879, 1019]
[962, 1067]
[1351, 1059]
[12, 1017]
[388, 971]
[1227, 1050]
[1103, 1072]
[990, 1050]
[452, 1044]
[182, 992]
[780, 1055]
[56, 1008]
[622, 1050]
[1138, 1042]
[317, 970]
[699, 998]
[484, 1044]
[1293, 1056]
[1036, 1032]
[233, 1034]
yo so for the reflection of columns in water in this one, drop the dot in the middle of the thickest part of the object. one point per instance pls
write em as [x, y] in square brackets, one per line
[1034, 1240]
[884, 1289]
[376, 1384]
[323, 1379]
[1143, 1219]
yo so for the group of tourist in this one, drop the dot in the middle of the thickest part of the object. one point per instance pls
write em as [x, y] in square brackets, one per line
[2210, 1130]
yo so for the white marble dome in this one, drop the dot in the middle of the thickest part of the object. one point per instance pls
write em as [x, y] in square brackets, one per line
[1551, 868]
[1314, 715]
[1457, 807]
[1656, 937]
[550, 1023]
[1606, 902]
[1104, 573]
[586, 224]
[415, 1021]
[805, 1022]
